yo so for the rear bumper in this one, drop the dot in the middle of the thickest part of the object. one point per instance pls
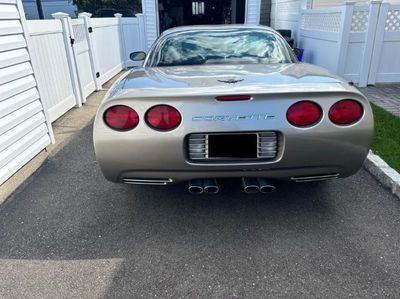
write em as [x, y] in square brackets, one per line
[171, 177]
[143, 153]
[299, 155]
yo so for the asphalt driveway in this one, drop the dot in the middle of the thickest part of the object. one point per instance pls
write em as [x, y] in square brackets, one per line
[69, 233]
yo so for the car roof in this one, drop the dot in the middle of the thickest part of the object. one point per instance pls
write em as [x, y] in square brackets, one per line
[215, 27]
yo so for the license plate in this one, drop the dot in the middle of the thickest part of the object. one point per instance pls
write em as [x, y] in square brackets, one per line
[232, 146]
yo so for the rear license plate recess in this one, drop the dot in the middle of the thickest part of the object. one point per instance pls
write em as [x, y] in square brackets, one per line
[232, 146]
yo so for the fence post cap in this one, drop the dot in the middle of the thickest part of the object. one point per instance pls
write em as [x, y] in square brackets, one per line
[139, 15]
[84, 14]
[118, 15]
[59, 15]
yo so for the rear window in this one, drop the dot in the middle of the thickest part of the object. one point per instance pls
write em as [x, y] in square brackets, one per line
[238, 46]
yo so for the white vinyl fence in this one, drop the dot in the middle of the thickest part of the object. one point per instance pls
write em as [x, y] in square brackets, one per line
[76, 56]
[49, 66]
[48, 50]
[360, 43]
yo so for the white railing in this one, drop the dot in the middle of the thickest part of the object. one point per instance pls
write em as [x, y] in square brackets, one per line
[76, 56]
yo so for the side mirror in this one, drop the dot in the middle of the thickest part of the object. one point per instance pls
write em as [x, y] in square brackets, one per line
[137, 56]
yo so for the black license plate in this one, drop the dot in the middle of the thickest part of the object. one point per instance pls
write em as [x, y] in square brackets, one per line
[231, 146]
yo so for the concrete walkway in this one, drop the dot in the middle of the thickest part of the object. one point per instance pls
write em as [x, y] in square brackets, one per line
[386, 96]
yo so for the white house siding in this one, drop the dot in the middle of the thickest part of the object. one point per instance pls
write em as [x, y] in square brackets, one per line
[285, 14]
[24, 131]
[252, 15]
[150, 12]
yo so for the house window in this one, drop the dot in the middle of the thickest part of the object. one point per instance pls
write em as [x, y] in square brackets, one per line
[198, 8]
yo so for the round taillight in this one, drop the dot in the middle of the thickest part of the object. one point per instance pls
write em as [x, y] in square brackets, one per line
[121, 118]
[163, 117]
[304, 114]
[345, 112]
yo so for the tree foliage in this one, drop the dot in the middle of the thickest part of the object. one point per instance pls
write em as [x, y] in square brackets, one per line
[94, 5]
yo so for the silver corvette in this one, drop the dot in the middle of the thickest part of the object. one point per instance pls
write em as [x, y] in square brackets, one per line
[229, 101]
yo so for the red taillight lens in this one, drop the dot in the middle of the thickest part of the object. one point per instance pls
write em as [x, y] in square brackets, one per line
[304, 113]
[163, 117]
[345, 112]
[121, 118]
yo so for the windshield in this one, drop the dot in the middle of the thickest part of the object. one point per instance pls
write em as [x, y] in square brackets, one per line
[229, 46]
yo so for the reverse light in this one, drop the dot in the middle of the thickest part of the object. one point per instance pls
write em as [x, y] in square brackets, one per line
[163, 118]
[304, 114]
[121, 118]
[345, 112]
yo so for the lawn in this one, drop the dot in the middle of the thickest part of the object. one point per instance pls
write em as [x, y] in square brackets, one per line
[386, 142]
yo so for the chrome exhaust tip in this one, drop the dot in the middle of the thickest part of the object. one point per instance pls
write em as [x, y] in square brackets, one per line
[211, 186]
[196, 186]
[266, 186]
[250, 185]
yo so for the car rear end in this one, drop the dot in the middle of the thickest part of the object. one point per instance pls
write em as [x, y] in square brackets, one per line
[286, 135]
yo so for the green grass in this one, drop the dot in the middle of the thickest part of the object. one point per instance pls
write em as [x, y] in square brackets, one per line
[386, 141]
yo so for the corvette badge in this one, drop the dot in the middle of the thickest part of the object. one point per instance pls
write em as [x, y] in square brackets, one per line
[231, 81]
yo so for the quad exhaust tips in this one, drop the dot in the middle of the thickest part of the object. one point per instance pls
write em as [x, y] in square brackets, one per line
[199, 186]
[255, 185]
[250, 186]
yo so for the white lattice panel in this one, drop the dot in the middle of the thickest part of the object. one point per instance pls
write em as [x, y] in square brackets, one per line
[359, 21]
[321, 21]
[79, 32]
[393, 21]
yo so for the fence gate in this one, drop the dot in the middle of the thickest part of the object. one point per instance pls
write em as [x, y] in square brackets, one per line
[385, 61]
[80, 46]
[53, 73]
